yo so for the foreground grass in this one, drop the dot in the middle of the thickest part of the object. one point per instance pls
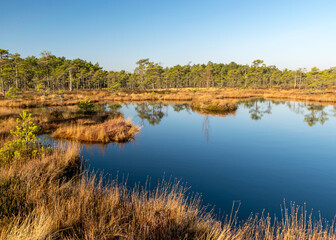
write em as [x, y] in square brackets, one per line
[53, 199]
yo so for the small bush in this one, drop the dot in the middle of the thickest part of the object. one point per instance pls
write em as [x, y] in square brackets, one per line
[86, 106]
[13, 92]
[25, 144]
[115, 88]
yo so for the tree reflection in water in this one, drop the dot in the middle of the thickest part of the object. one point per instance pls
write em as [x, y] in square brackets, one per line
[313, 113]
[152, 112]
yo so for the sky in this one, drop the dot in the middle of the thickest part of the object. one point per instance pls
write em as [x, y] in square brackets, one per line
[117, 33]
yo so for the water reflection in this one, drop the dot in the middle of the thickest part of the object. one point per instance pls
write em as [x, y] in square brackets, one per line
[152, 112]
[206, 128]
[265, 153]
[181, 107]
[312, 113]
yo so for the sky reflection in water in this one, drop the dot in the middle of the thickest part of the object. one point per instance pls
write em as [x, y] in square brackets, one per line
[266, 152]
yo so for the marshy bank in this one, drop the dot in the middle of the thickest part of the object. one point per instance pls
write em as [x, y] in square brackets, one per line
[86, 122]
[32, 99]
[47, 194]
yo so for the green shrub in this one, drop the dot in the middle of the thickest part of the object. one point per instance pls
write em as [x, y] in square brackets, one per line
[13, 92]
[115, 88]
[25, 144]
[86, 105]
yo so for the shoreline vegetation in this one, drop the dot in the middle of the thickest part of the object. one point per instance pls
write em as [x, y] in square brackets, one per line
[31, 99]
[46, 193]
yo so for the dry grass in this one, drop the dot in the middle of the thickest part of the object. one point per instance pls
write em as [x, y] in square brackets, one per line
[32, 99]
[58, 201]
[215, 106]
[113, 130]
[83, 208]
[6, 126]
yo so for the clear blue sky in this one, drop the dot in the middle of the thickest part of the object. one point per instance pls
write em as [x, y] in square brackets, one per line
[117, 33]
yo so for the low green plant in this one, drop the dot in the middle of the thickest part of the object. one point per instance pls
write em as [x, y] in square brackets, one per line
[40, 88]
[115, 88]
[86, 105]
[25, 144]
[13, 92]
[194, 90]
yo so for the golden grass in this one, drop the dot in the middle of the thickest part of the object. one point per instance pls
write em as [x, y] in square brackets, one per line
[32, 99]
[59, 201]
[112, 130]
[215, 106]
[6, 126]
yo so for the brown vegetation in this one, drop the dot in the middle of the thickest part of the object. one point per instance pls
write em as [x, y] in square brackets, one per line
[6, 126]
[113, 130]
[215, 106]
[31, 99]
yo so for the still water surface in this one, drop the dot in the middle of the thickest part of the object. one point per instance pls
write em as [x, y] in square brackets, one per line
[266, 152]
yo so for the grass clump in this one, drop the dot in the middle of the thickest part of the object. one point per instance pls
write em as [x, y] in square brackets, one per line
[215, 106]
[112, 130]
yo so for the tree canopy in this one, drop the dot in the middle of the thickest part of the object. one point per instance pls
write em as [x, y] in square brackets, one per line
[58, 73]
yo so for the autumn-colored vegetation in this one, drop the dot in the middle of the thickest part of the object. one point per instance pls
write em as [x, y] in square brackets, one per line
[187, 95]
[113, 130]
[215, 106]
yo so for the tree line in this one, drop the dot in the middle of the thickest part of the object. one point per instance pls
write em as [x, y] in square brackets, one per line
[58, 73]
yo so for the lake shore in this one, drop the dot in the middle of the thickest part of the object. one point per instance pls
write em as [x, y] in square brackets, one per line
[30, 99]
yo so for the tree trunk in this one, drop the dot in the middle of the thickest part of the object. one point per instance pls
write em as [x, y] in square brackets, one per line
[16, 77]
[70, 81]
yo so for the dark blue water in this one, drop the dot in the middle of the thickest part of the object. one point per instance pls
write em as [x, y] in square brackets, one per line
[265, 153]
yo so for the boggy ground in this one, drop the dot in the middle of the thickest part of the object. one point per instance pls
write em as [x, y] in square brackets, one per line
[100, 128]
[51, 196]
[30, 99]
[72, 123]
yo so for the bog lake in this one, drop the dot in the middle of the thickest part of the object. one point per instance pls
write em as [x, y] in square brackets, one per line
[264, 153]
